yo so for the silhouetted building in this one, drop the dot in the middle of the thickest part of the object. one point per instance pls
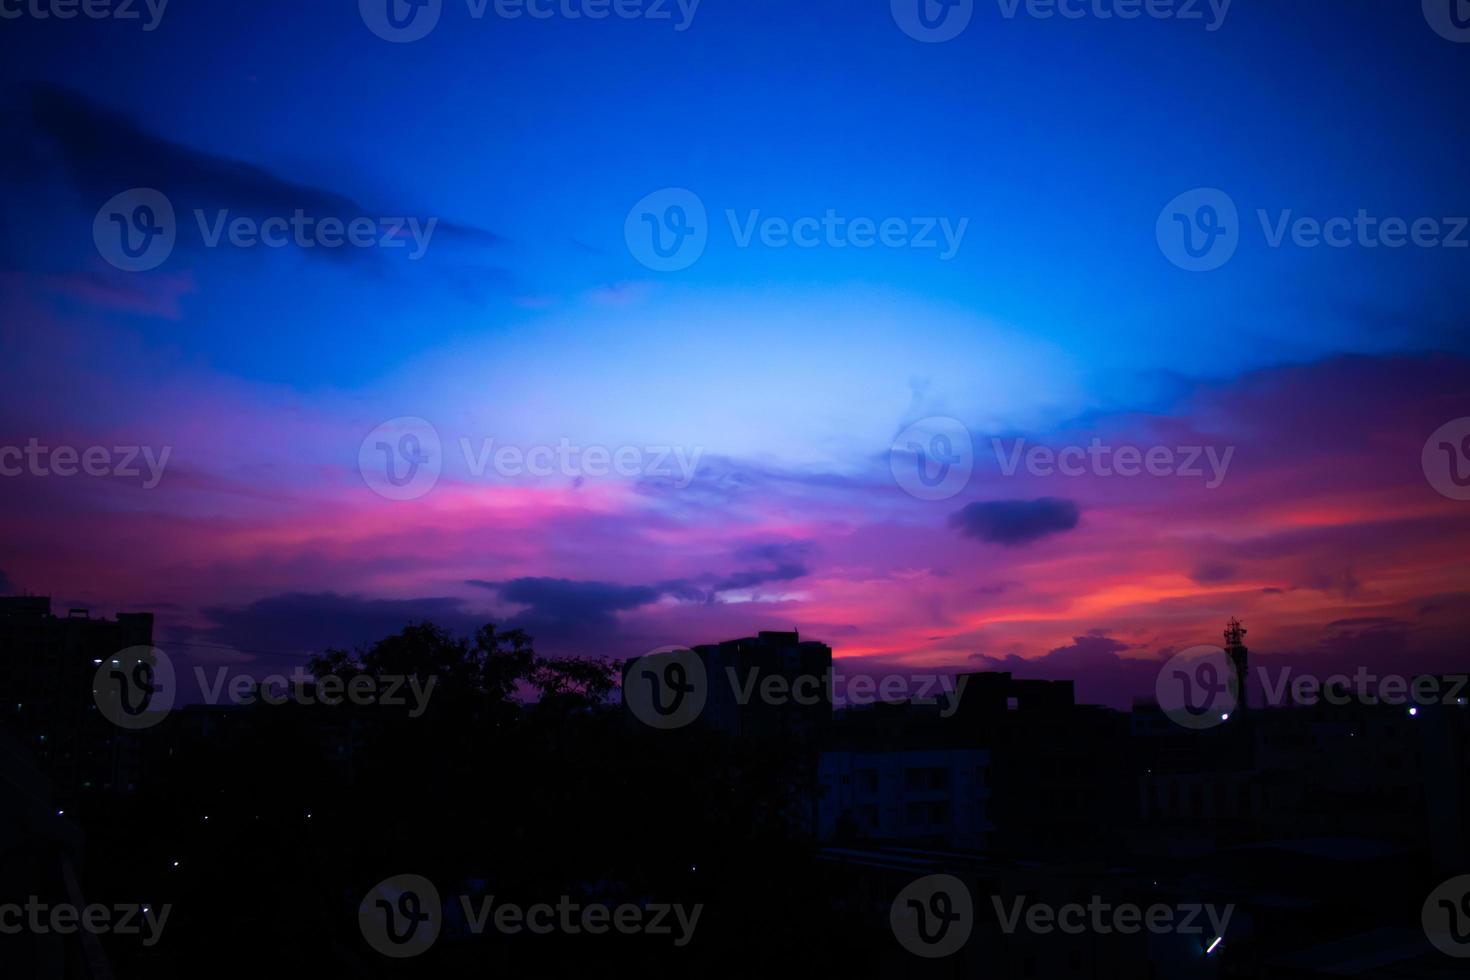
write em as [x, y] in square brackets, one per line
[771, 685]
[1323, 770]
[47, 665]
[1058, 769]
[41, 848]
[1239, 657]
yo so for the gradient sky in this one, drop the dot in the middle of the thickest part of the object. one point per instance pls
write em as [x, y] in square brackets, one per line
[788, 371]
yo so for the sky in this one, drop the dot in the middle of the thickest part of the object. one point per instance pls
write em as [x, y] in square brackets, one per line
[878, 248]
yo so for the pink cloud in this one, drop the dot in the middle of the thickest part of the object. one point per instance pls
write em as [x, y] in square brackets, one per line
[1319, 520]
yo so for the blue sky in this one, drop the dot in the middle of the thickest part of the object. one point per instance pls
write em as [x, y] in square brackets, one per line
[1058, 140]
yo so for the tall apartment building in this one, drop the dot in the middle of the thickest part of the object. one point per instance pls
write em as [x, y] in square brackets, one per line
[47, 665]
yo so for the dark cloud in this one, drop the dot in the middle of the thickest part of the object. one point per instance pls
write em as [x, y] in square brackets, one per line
[1213, 572]
[995, 588]
[750, 579]
[567, 615]
[566, 607]
[105, 151]
[1341, 582]
[754, 577]
[585, 613]
[722, 480]
[560, 603]
[785, 561]
[1452, 602]
[1367, 622]
[5, 587]
[286, 627]
[778, 552]
[1015, 522]
[685, 590]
